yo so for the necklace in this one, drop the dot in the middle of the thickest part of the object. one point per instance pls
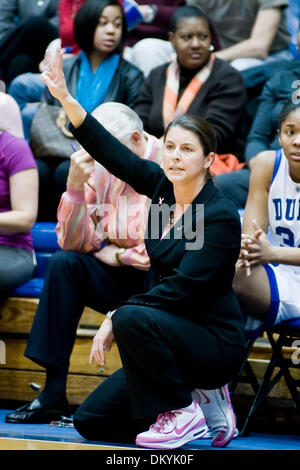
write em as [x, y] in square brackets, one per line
[171, 217]
[174, 216]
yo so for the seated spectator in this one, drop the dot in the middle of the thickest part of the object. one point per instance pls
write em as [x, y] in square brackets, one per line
[195, 82]
[27, 88]
[263, 134]
[147, 44]
[26, 28]
[250, 32]
[85, 272]
[167, 346]
[18, 199]
[267, 278]
[98, 74]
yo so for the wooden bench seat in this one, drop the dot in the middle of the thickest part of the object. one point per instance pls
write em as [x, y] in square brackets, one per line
[18, 372]
[16, 375]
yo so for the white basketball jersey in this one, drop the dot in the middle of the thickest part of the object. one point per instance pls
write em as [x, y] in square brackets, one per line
[284, 207]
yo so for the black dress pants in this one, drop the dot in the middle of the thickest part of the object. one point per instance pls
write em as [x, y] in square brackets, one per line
[164, 358]
[74, 280]
[24, 47]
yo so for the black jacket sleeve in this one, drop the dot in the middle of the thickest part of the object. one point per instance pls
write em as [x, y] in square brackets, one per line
[142, 175]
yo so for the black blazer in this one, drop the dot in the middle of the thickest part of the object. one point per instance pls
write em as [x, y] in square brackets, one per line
[193, 283]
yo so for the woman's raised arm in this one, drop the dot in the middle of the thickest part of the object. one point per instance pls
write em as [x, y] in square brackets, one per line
[55, 80]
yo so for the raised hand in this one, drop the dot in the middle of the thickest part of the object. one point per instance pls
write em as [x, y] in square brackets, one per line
[54, 77]
[55, 80]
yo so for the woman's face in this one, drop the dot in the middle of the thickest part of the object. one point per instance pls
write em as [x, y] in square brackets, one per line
[191, 42]
[108, 32]
[289, 139]
[183, 156]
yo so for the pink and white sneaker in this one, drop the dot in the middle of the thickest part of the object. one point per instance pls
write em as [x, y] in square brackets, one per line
[174, 428]
[217, 409]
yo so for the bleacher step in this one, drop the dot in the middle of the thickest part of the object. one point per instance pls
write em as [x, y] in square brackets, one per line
[17, 314]
[15, 385]
[79, 362]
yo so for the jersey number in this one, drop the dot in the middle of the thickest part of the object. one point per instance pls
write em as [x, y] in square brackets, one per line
[287, 236]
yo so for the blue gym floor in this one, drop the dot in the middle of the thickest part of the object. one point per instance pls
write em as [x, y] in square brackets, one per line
[44, 432]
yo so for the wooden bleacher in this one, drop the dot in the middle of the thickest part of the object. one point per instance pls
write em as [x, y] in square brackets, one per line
[16, 375]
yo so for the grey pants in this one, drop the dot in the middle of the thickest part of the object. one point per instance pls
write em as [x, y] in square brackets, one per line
[16, 267]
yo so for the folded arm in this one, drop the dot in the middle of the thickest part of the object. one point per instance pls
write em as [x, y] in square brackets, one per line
[260, 40]
[24, 202]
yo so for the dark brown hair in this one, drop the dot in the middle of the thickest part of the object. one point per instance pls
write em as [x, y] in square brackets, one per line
[198, 126]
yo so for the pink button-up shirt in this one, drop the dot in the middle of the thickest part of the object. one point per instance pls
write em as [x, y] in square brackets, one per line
[107, 210]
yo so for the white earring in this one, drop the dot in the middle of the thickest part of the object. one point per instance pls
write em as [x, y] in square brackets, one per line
[211, 48]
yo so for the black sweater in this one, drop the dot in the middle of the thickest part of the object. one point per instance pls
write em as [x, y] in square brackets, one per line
[220, 101]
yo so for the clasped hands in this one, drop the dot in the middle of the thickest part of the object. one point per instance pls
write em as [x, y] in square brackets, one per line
[255, 249]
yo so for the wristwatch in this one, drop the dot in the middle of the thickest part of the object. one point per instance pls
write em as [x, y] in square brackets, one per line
[118, 254]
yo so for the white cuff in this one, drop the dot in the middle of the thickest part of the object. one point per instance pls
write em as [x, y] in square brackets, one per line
[110, 314]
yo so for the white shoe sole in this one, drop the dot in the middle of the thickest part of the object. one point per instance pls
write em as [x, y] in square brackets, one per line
[173, 444]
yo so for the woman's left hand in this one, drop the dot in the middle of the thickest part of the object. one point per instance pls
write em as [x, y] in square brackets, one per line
[102, 342]
[256, 249]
